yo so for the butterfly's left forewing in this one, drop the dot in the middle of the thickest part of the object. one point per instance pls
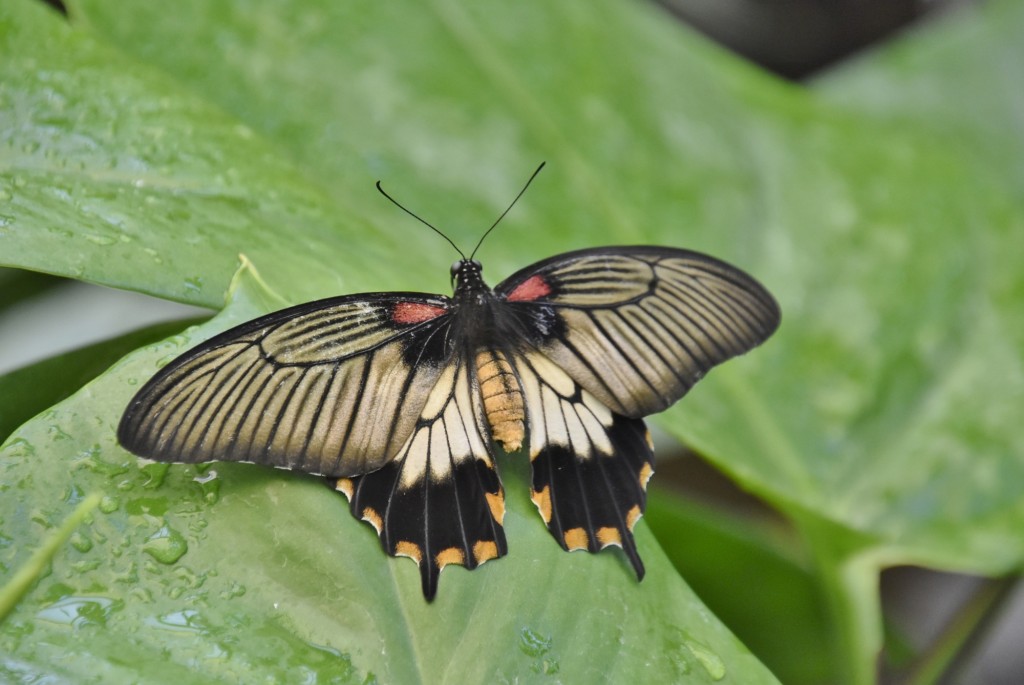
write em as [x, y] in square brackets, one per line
[330, 387]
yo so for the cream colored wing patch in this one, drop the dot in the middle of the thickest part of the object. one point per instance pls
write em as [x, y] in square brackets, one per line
[589, 466]
[561, 413]
[440, 501]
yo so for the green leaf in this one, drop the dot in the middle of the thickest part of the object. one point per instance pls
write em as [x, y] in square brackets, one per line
[257, 574]
[112, 173]
[269, 568]
[715, 551]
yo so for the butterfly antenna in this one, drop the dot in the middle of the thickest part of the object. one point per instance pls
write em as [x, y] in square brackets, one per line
[421, 219]
[528, 182]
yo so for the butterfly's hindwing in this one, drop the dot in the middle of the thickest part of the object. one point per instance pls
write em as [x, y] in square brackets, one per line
[305, 388]
[638, 326]
[589, 465]
[440, 501]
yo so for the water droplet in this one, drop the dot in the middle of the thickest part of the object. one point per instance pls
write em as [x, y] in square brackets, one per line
[155, 474]
[100, 239]
[236, 590]
[5, 195]
[80, 542]
[140, 594]
[108, 505]
[81, 567]
[147, 506]
[166, 545]
[194, 283]
[90, 460]
[73, 494]
[19, 448]
[57, 433]
[129, 576]
[187, 621]
[56, 592]
[533, 644]
[79, 611]
[210, 485]
[711, 662]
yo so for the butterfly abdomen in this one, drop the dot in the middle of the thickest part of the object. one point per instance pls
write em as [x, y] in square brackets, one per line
[503, 399]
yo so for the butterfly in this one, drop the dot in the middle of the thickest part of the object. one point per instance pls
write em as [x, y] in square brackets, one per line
[402, 399]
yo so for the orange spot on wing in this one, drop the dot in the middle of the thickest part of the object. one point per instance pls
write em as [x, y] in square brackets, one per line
[452, 555]
[415, 312]
[497, 506]
[374, 518]
[543, 501]
[409, 549]
[609, 536]
[484, 550]
[645, 475]
[632, 516]
[576, 538]
[533, 288]
[344, 486]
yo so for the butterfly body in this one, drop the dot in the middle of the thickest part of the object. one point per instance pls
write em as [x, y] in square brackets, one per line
[401, 399]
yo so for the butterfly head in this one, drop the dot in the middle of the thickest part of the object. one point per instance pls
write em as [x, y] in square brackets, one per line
[467, 276]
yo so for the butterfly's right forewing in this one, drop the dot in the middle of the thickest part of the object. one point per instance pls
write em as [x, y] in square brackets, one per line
[330, 387]
[638, 326]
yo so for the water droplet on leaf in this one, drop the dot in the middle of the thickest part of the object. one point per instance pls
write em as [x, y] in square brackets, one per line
[80, 542]
[166, 545]
[711, 662]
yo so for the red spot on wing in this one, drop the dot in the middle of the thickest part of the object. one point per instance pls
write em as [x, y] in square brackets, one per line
[415, 312]
[533, 288]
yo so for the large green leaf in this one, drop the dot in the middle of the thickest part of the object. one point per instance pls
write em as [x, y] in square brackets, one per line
[880, 419]
[244, 572]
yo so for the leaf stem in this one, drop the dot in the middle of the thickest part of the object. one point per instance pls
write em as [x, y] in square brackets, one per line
[849, 586]
[22, 580]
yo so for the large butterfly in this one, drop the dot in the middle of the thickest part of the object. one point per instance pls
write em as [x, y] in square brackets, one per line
[401, 399]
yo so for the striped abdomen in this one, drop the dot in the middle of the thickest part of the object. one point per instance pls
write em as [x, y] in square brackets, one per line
[503, 399]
